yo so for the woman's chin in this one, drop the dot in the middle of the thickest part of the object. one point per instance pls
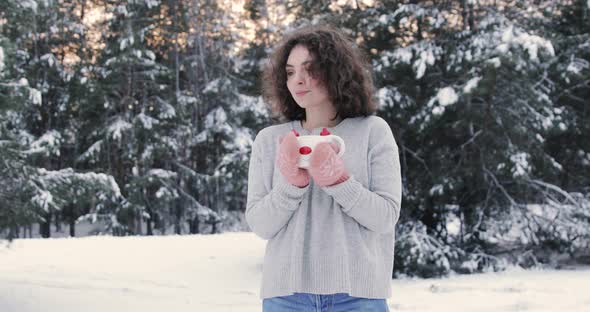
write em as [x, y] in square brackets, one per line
[302, 105]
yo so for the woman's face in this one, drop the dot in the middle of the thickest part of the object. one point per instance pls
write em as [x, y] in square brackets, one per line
[307, 91]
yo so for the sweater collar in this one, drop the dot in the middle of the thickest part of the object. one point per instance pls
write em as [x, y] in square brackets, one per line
[297, 125]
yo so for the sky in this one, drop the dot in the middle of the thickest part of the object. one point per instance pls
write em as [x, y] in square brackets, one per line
[222, 272]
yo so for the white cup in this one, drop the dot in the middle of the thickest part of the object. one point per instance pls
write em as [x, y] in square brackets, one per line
[307, 144]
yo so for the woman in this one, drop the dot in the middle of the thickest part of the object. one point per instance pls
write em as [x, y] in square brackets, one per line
[330, 227]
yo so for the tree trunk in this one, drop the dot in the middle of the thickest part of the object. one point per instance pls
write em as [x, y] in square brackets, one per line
[45, 226]
[57, 222]
[72, 227]
[214, 227]
[464, 13]
[149, 224]
[29, 228]
[177, 209]
[138, 225]
[194, 225]
[12, 233]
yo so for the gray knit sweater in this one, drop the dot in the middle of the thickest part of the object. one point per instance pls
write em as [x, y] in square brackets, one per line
[325, 240]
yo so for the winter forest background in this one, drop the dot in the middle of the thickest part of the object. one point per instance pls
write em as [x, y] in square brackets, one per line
[138, 116]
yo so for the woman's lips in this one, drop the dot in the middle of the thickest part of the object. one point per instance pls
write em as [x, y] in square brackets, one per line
[301, 93]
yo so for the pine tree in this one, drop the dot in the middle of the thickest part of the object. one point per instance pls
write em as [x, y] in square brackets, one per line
[571, 73]
[216, 151]
[125, 134]
[14, 93]
[475, 105]
[43, 34]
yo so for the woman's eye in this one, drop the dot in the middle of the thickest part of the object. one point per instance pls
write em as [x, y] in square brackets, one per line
[289, 74]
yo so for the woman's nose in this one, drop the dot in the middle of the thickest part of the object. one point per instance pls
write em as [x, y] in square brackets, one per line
[300, 78]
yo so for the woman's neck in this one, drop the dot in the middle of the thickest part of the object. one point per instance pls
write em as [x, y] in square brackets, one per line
[317, 119]
[310, 123]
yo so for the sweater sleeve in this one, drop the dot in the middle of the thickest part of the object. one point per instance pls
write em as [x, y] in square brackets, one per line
[268, 210]
[378, 207]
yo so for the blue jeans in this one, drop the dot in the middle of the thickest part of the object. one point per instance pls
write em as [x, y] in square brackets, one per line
[304, 302]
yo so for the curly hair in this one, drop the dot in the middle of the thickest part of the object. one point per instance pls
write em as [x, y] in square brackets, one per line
[338, 64]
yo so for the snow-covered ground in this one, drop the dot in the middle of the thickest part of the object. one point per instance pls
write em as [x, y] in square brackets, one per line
[217, 273]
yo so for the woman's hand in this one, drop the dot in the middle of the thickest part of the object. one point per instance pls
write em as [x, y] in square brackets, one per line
[326, 167]
[287, 161]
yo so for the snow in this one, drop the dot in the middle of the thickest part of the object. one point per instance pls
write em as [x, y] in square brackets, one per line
[403, 54]
[495, 61]
[447, 96]
[50, 59]
[171, 143]
[507, 35]
[185, 100]
[521, 164]
[152, 3]
[217, 117]
[43, 199]
[117, 127]
[418, 12]
[48, 143]
[147, 153]
[453, 225]
[437, 189]
[471, 84]
[254, 104]
[162, 174]
[243, 139]
[167, 110]
[67, 174]
[437, 111]
[424, 52]
[29, 4]
[147, 121]
[216, 120]
[391, 97]
[122, 9]
[35, 96]
[126, 42]
[426, 58]
[531, 43]
[92, 151]
[222, 272]
[386, 97]
[546, 122]
[201, 137]
[538, 224]
[216, 86]
[577, 65]
[165, 192]
[501, 40]
[150, 55]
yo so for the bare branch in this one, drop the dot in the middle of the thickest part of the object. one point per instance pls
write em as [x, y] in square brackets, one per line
[556, 189]
[497, 183]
